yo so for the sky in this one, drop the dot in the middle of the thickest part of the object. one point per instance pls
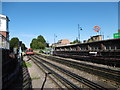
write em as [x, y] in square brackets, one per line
[30, 19]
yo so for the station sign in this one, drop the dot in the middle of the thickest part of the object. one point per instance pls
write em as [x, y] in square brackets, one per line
[116, 35]
[97, 28]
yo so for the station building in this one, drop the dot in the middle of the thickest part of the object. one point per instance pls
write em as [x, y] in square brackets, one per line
[95, 38]
[4, 32]
[61, 42]
[118, 30]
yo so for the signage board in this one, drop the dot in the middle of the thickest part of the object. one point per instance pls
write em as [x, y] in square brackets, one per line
[97, 28]
[116, 35]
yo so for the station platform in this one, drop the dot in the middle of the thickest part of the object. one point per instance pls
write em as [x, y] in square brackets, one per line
[31, 77]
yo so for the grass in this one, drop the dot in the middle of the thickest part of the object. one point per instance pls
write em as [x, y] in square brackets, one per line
[35, 78]
[26, 64]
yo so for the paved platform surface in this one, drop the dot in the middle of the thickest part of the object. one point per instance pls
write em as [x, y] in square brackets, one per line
[37, 75]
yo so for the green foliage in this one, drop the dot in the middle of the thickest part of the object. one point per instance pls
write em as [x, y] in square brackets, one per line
[75, 41]
[14, 42]
[23, 47]
[40, 38]
[26, 64]
[34, 44]
[42, 45]
[39, 43]
[47, 44]
[41, 51]
[90, 40]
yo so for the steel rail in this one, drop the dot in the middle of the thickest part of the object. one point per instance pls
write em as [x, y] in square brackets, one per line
[90, 66]
[75, 76]
[56, 74]
[114, 72]
[48, 76]
[104, 72]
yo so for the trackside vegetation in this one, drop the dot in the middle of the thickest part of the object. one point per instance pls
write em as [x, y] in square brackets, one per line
[38, 43]
[14, 44]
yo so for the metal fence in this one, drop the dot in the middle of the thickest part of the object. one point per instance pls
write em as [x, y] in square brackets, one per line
[4, 43]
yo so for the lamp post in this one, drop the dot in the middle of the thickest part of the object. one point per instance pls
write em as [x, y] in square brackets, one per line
[55, 40]
[79, 28]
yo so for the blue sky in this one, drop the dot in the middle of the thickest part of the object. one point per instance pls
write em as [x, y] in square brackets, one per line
[28, 19]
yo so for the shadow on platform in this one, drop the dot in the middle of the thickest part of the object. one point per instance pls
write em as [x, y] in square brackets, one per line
[23, 81]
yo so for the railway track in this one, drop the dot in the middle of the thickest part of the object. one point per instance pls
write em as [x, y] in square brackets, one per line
[46, 73]
[80, 79]
[106, 73]
[56, 75]
[111, 61]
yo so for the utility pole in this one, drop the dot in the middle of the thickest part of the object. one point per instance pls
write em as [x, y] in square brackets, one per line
[79, 28]
[103, 35]
[78, 33]
[55, 40]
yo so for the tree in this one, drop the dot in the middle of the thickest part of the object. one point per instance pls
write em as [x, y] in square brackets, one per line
[34, 44]
[39, 43]
[23, 47]
[47, 44]
[14, 43]
[42, 45]
[40, 38]
[75, 41]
